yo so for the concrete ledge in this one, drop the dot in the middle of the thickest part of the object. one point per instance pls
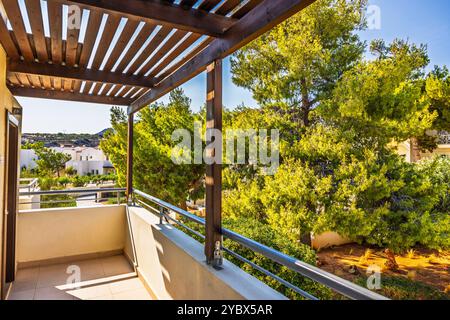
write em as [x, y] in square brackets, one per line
[50, 235]
[173, 265]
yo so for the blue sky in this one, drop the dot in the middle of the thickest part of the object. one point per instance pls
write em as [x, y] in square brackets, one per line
[419, 21]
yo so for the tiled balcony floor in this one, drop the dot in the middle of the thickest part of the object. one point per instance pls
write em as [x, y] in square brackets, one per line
[110, 278]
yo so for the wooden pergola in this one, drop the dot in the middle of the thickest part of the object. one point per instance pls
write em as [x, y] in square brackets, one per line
[131, 53]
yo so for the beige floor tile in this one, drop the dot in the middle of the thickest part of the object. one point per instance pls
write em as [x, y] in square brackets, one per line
[19, 286]
[139, 294]
[126, 285]
[116, 265]
[101, 278]
[90, 292]
[22, 295]
[91, 269]
[52, 293]
[26, 279]
[51, 276]
[27, 274]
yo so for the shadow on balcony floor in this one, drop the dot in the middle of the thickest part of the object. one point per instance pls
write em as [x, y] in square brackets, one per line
[110, 278]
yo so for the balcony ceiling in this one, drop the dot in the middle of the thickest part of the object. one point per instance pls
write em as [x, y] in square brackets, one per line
[125, 52]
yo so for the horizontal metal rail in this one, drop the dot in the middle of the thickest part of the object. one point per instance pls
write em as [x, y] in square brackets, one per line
[327, 279]
[80, 195]
[71, 191]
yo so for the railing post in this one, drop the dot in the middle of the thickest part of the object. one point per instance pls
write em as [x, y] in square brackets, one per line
[130, 158]
[213, 219]
[161, 214]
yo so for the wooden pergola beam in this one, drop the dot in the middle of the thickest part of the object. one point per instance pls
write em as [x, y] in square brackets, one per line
[264, 17]
[129, 191]
[157, 12]
[213, 188]
[72, 73]
[68, 96]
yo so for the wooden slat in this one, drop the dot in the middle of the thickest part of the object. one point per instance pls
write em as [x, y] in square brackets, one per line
[67, 84]
[261, 19]
[67, 96]
[125, 89]
[143, 35]
[57, 84]
[115, 90]
[55, 21]
[59, 71]
[72, 45]
[23, 80]
[174, 39]
[105, 41]
[208, 5]
[227, 6]
[199, 48]
[12, 78]
[106, 89]
[15, 17]
[156, 41]
[122, 42]
[7, 42]
[174, 54]
[249, 6]
[224, 9]
[187, 3]
[77, 85]
[95, 19]
[46, 82]
[97, 88]
[169, 15]
[88, 87]
[37, 27]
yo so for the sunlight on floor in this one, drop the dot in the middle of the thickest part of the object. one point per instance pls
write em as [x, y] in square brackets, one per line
[110, 278]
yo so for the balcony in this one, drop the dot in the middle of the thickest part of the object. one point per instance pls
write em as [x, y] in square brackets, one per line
[139, 252]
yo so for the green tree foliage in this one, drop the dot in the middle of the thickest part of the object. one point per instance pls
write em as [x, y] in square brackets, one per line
[297, 64]
[339, 171]
[155, 172]
[383, 100]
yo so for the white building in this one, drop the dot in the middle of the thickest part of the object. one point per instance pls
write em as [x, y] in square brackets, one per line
[28, 159]
[83, 159]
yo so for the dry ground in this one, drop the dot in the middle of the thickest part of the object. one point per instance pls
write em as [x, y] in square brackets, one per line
[421, 269]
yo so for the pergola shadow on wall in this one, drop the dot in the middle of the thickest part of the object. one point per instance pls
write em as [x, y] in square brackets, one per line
[132, 53]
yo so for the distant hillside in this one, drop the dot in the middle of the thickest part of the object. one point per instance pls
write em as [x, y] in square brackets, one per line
[68, 139]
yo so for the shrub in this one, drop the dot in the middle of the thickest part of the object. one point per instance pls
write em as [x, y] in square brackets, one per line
[266, 235]
[80, 181]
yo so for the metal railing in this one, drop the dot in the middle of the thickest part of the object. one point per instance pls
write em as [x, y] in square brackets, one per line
[77, 192]
[31, 183]
[337, 284]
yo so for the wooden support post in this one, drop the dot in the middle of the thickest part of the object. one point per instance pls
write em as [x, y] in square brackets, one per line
[213, 241]
[130, 158]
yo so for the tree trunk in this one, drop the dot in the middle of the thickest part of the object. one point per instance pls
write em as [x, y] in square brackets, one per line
[306, 103]
[305, 238]
[391, 263]
[414, 150]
